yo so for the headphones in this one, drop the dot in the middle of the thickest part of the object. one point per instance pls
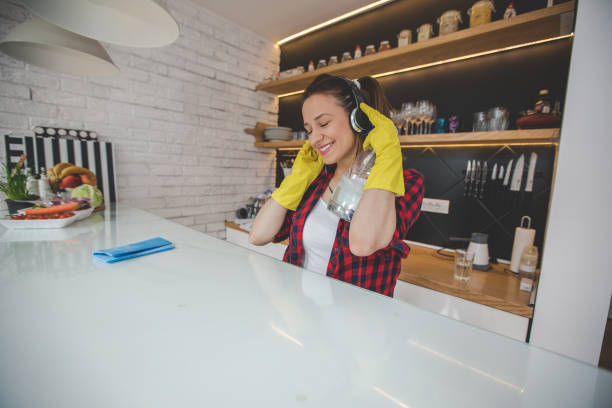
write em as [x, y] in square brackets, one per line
[358, 119]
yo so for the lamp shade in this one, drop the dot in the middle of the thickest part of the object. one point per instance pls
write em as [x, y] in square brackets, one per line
[131, 23]
[40, 43]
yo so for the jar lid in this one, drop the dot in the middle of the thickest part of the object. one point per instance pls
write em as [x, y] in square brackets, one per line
[544, 92]
[370, 46]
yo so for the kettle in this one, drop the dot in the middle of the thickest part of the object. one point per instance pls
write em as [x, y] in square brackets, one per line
[480, 248]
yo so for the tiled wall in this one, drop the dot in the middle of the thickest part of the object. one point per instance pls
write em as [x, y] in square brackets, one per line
[174, 114]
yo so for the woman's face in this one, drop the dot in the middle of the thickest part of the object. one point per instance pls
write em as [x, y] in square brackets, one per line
[328, 128]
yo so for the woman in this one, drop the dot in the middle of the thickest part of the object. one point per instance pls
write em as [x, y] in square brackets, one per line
[367, 251]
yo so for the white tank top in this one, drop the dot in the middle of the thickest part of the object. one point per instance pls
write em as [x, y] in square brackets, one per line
[318, 239]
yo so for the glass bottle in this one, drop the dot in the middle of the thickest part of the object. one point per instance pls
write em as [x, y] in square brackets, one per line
[348, 192]
[357, 52]
[529, 261]
[31, 183]
[311, 66]
[44, 187]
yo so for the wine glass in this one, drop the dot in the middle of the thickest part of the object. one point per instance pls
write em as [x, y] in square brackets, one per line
[421, 114]
[408, 111]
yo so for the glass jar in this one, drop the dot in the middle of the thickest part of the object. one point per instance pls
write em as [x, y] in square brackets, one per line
[404, 38]
[370, 50]
[346, 56]
[480, 13]
[543, 103]
[321, 64]
[424, 32]
[333, 60]
[449, 22]
[384, 45]
[529, 261]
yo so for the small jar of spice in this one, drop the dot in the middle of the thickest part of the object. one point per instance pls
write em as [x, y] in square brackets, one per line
[543, 103]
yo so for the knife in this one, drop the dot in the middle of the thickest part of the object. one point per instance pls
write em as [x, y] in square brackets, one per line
[477, 181]
[483, 180]
[467, 179]
[501, 172]
[517, 176]
[507, 178]
[472, 175]
[533, 158]
[494, 172]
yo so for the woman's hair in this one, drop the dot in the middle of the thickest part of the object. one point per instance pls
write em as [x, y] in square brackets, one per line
[370, 90]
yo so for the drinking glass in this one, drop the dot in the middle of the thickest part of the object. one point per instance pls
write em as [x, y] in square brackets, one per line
[408, 112]
[498, 118]
[480, 122]
[463, 264]
[422, 109]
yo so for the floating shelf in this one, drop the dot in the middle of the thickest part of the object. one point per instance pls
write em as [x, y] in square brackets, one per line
[539, 25]
[506, 137]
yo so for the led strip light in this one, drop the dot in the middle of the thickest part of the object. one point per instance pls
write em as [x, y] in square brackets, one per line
[333, 21]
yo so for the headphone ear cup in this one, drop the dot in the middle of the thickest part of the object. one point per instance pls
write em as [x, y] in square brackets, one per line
[360, 122]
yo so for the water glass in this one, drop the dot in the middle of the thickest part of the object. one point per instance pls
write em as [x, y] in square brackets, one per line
[463, 264]
[498, 118]
[480, 122]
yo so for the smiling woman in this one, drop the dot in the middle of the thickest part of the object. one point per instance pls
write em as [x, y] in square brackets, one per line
[343, 118]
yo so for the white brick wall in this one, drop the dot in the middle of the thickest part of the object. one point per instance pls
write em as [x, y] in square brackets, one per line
[174, 114]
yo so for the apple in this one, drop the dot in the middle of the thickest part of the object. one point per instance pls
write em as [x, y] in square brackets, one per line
[70, 181]
[87, 179]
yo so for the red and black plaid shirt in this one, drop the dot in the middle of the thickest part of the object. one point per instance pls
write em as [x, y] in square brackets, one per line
[378, 271]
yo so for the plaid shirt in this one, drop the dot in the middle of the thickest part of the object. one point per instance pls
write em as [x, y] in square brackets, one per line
[378, 271]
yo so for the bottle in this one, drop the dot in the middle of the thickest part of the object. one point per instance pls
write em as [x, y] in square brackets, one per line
[543, 103]
[44, 187]
[510, 11]
[529, 262]
[357, 52]
[347, 194]
[311, 66]
[346, 56]
[31, 183]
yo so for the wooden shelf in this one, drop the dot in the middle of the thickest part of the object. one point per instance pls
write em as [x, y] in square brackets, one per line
[525, 28]
[495, 288]
[495, 138]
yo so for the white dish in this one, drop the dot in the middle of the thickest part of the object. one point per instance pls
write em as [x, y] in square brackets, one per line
[82, 214]
[31, 224]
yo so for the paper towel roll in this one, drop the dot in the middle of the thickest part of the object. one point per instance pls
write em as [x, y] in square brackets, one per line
[522, 238]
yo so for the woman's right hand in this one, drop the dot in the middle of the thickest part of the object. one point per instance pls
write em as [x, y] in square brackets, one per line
[306, 167]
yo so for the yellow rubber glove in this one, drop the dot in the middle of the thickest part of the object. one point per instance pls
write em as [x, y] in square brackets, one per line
[387, 172]
[306, 168]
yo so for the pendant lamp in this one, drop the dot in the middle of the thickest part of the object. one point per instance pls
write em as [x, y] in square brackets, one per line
[40, 43]
[130, 23]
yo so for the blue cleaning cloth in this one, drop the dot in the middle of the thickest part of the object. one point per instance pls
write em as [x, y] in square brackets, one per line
[150, 246]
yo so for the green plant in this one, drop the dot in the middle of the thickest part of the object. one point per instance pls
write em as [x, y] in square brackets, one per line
[13, 182]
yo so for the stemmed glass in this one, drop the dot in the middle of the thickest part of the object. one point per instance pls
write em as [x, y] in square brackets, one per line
[397, 118]
[409, 114]
[422, 108]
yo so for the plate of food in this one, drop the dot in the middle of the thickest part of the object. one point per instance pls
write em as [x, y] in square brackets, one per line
[50, 215]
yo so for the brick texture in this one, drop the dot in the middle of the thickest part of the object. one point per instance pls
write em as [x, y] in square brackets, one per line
[175, 114]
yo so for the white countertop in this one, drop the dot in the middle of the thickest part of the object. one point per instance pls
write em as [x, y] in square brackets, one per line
[210, 324]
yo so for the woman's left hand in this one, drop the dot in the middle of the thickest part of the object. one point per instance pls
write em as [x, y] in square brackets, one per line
[387, 172]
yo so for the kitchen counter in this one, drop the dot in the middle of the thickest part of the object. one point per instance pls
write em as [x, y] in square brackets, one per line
[495, 288]
[214, 324]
